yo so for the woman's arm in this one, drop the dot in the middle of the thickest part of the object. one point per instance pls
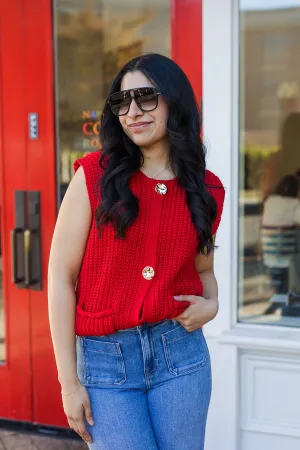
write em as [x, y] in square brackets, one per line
[67, 250]
[205, 268]
[205, 308]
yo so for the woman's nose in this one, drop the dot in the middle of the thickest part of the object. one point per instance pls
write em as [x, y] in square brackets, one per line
[134, 110]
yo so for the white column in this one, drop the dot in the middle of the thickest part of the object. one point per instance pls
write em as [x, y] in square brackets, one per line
[218, 101]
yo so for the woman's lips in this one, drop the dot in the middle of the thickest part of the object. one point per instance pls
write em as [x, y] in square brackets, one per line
[138, 126]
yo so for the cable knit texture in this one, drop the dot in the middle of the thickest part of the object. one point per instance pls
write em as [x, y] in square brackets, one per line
[112, 293]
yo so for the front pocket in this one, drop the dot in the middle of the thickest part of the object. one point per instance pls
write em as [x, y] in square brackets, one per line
[103, 362]
[184, 351]
[99, 323]
[95, 315]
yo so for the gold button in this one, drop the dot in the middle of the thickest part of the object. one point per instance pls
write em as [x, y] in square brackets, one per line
[161, 188]
[148, 273]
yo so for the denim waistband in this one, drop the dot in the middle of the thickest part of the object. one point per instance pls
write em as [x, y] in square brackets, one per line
[149, 324]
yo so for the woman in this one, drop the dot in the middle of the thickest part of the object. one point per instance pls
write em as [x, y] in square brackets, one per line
[279, 234]
[282, 207]
[135, 237]
[283, 162]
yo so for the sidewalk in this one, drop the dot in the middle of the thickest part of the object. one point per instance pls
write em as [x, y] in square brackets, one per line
[12, 440]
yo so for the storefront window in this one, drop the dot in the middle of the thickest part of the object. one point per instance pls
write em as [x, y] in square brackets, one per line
[269, 172]
[94, 39]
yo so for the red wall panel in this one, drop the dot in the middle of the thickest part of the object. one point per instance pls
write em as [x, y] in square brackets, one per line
[186, 40]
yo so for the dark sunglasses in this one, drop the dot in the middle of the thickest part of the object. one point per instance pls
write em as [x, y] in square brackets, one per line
[146, 98]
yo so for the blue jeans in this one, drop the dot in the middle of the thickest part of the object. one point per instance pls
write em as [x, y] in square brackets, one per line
[149, 387]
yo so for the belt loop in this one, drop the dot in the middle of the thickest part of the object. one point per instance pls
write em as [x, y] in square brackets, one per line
[174, 321]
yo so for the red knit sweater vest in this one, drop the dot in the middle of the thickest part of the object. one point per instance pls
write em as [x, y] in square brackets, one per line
[125, 282]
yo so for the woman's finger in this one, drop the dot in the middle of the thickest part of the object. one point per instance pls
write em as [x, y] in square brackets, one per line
[73, 425]
[88, 412]
[186, 298]
[82, 431]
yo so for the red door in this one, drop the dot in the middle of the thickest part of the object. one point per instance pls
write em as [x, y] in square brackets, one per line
[35, 167]
[29, 388]
[15, 370]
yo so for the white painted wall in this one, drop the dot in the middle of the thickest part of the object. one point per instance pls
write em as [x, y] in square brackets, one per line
[256, 371]
[217, 123]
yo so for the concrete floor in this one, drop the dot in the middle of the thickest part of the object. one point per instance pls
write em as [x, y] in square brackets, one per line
[12, 440]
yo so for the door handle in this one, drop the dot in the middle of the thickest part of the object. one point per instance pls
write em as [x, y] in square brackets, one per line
[17, 240]
[32, 242]
[26, 241]
[27, 259]
[16, 277]
[32, 259]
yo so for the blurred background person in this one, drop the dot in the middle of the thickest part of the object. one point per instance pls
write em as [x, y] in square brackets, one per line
[287, 160]
[282, 207]
[280, 241]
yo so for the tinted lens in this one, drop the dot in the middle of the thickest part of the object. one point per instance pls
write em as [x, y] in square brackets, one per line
[120, 102]
[146, 98]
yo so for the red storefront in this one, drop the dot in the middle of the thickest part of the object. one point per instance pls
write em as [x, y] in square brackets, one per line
[56, 59]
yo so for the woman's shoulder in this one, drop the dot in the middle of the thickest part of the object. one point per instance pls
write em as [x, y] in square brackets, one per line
[216, 189]
[89, 162]
[212, 180]
[214, 185]
[276, 200]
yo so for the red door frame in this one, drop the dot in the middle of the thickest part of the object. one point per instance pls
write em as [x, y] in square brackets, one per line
[39, 79]
[27, 85]
[186, 40]
[15, 375]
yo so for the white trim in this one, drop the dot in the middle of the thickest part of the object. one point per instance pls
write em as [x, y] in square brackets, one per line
[235, 39]
[218, 116]
[261, 413]
[251, 339]
[217, 123]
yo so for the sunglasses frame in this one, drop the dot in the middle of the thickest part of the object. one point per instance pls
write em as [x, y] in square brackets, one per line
[133, 97]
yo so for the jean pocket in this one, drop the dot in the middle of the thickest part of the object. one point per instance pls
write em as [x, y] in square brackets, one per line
[103, 362]
[184, 351]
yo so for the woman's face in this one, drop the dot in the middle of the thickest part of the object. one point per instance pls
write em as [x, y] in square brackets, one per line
[143, 128]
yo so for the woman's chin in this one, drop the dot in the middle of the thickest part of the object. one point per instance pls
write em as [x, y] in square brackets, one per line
[141, 141]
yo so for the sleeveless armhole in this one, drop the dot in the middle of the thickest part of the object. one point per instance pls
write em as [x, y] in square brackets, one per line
[92, 173]
[216, 189]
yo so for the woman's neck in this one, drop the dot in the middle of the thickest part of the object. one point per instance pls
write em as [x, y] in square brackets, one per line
[156, 157]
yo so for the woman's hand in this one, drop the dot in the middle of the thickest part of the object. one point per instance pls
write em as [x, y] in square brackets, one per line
[200, 311]
[77, 408]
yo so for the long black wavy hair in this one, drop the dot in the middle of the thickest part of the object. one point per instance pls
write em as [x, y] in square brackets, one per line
[121, 158]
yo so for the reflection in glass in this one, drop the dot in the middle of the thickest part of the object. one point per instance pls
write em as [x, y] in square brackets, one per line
[94, 39]
[269, 226]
